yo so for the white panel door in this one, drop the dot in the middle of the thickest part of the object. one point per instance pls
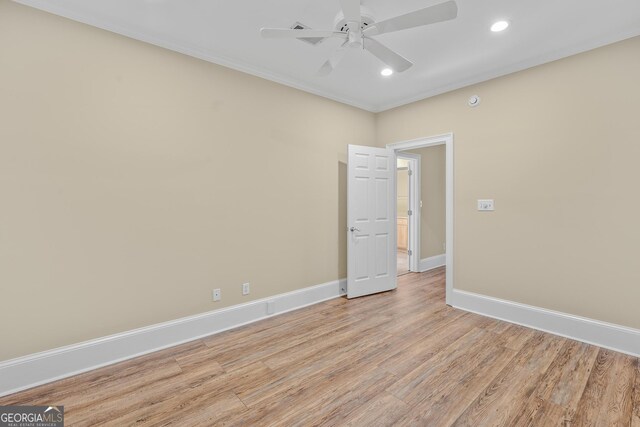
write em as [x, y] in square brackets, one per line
[371, 221]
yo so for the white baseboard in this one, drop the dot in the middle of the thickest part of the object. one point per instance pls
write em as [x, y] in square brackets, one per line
[602, 334]
[430, 263]
[41, 368]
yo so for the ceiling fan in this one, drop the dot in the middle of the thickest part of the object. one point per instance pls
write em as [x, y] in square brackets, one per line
[356, 26]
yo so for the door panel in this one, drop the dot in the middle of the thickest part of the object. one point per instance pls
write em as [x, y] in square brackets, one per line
[371, 220]
[382, 199]
[361, 258]
[382, 255]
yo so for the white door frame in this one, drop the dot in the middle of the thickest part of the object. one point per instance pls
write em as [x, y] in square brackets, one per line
[447, 141]
[414, 206]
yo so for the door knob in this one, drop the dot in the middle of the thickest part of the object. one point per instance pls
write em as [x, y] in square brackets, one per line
[352, 229]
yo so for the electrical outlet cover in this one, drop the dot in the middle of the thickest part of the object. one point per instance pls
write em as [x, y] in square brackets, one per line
[486, 205]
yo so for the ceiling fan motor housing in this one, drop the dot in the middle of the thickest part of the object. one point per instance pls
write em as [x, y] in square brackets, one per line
[354, 39]
[341, 23]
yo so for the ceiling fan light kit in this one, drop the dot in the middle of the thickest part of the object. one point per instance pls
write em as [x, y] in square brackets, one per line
[499, 26]
[357, 26]
[386, 72]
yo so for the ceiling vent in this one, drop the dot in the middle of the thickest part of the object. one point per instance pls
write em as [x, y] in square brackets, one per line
[311, 40]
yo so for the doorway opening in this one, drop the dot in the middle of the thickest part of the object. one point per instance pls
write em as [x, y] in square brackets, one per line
[402, 235]
[438, 249]
[372, 217]
[408, 212]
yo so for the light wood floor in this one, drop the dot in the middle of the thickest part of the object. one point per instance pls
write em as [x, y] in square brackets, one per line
[399, 358]
[403, 262]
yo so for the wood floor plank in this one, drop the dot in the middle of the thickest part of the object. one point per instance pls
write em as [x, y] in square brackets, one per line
[307, 351]
[593, 397]
[423, 346]
[608, 395]
[401, 358]
[514, 336]
[540, 412]
[508, 394]
[336, 399]
[448, 396]
[470, 347]
[293, 381]
[326, 401]
[635, 422]
[619, 396]
[564, 382]
[191, 408]
[383, 410]
[152, 395]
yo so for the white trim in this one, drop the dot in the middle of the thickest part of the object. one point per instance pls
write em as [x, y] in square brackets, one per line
[432, 262]
[447, 140]
[415, 161]
[616, 35]
[430, 141]
[41, 368]
[602, 334]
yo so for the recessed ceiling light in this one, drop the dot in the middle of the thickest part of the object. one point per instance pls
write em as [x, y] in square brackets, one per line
[499, 26]
[386, 72]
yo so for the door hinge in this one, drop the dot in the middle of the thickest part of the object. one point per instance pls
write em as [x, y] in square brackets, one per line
[409, 212]
[410, 252]
[410, 172]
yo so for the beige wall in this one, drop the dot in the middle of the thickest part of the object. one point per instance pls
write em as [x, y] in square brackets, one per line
[134, 180]
[557, 147]
[433, 195]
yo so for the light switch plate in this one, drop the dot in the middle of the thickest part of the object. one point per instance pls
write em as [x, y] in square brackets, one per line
[486, 205]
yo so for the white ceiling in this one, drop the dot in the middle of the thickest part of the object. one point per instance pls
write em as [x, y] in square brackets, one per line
[447, 55]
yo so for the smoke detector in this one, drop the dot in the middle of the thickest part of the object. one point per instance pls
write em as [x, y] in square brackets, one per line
[474, 101]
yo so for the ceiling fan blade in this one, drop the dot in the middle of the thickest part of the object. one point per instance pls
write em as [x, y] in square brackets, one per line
[351, 10]
[332, 62]
[386, 55]
[286, 33]
[430, 15]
